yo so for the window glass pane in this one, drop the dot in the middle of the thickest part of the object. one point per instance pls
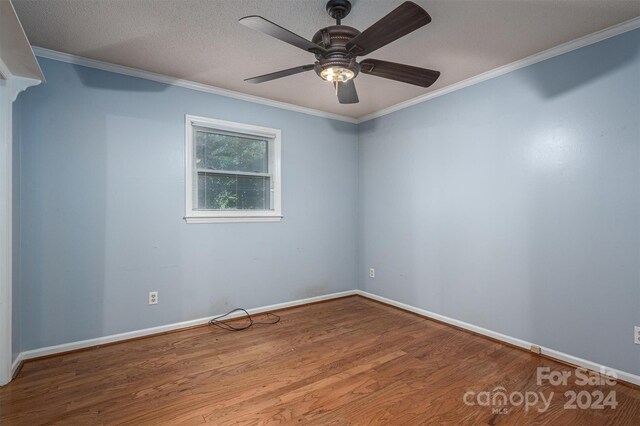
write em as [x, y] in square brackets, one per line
[202, 181]
[230, 152]
[200, 145]
[233, 192]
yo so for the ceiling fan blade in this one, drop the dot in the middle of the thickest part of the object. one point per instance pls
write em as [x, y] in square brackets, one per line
[279, 74]
[346, 92]
[258, 23]
[399, 72]
[404, 19]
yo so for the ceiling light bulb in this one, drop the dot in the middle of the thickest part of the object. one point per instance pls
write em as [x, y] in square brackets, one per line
[339, 74]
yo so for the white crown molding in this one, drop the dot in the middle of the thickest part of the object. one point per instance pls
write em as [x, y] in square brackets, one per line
[187, 84]
[604, 34]
[592, 38]
[20, 84]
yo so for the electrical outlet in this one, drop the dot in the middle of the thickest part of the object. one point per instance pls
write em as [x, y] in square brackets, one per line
[153, 297]
[636, 335]
[372, 273]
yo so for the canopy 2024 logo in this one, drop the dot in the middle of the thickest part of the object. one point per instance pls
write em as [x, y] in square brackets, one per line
[502, 401]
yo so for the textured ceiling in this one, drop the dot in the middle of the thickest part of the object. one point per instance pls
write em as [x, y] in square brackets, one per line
[201, 40]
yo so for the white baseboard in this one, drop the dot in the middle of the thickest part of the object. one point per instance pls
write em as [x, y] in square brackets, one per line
[16, 364]
[65, 347]
[551, 353]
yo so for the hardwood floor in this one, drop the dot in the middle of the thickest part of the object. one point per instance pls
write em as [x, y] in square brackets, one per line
[346, 361]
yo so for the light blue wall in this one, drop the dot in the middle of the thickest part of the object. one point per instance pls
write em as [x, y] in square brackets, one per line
[514, 204]
[102, 200]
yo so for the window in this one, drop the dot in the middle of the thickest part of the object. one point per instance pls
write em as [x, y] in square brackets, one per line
[232, 172]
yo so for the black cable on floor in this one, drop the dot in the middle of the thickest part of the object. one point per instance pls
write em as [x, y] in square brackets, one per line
[223, 325]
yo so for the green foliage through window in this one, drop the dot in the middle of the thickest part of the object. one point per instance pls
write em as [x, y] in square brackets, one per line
[231, 153]
[232, 171]
[233, 192]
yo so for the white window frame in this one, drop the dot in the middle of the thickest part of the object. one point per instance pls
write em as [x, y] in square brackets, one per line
[214, 216]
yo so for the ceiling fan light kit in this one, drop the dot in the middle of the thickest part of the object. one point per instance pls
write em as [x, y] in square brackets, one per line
[338, 74]
[337, 47]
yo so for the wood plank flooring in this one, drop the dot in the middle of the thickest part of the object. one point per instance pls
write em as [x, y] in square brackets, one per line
[346, 361]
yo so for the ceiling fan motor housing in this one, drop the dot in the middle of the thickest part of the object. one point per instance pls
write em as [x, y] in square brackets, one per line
[334, 40]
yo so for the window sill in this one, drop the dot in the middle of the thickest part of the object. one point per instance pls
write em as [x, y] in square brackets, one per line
[231, 219]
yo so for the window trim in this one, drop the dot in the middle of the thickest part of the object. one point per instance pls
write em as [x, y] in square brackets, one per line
[217, 216]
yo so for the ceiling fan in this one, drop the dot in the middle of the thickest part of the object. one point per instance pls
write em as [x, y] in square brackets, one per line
[337, 47]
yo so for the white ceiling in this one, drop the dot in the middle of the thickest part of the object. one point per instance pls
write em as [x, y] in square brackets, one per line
[201, 40]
